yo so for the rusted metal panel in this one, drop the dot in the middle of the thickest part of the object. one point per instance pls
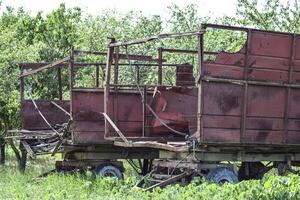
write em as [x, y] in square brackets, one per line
[234, 59]
[271, 44]
[293, 137]
[266, 101]
[222, 99]
[264, 62]
[263, 136]
[219, 135]
[258, 123]
[272, 112]
[89, 123]
[226, 122]
[31, 120]
[177, 107]
[268, 75]
[220, 70]
[184, 75]
[247, 97]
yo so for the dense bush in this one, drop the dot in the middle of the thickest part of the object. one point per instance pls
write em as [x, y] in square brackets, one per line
[17, 186]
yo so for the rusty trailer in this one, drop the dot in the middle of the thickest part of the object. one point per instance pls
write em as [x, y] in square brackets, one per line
[240, 107]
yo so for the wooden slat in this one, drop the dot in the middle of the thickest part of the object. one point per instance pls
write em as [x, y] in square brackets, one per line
[154, 145]
[45, 67]
[28, 149]
[116, 128]
[121, 56]
[168, 181]
[160, 36]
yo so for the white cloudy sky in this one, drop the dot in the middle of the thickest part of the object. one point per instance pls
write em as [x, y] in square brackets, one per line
[148, 7]
[214, 7]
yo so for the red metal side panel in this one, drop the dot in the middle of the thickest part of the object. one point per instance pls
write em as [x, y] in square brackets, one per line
[222, 104]
[270, 44]
[265, 114]
[31, 120]
[88, 122]
[272, 113]
[293, 135]
[269, 56]
[88, 125]
[177, 107]
[296, 64]
[265, 101]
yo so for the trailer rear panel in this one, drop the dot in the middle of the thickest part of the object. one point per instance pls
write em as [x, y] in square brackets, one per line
[252, 96]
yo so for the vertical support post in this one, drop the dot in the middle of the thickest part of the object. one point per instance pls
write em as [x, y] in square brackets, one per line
[288, 90]
[200, 95]
[59, 84]
[21, 84]
[245, 95]
[103, 74]
[71, 76]
[159, 70]
[116, 77]
[2, 151]
[97, 76]
[21, 91]
[144, 110]
[109, 58]
[137, 74]
[116, 68]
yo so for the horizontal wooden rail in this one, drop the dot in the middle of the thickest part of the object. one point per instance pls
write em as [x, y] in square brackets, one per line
[45, 67]
[160, 36]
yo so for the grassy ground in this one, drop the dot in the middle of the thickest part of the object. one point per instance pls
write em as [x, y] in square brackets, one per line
[14, 185]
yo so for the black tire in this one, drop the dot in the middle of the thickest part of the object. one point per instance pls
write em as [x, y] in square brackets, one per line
[221, 175]
[108, 171]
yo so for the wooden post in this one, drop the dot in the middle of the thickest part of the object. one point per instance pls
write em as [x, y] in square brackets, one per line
[200, 63]
[116, 68]
[116, 77]
[109, 61]
[159, 70]
[245, 95]
[71, 76]
[21, 84]
[288, 89]
[97, 76]
[137, 67]
[144, 110]
[59, 84]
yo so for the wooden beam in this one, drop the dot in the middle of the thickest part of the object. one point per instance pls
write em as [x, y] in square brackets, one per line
[116, 129]
[45, 67]
[120, 55]
[28, 149]
[159, 70]
[160, 36]
[60, 92]
[109, 60]
[170, 180]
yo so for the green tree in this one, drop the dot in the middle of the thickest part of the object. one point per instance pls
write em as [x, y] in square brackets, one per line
[270, 14]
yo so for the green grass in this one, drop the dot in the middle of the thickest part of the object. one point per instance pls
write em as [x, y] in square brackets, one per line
[14, 185]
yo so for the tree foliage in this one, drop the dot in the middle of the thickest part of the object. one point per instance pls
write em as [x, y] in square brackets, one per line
[270, 14]
[46, 38]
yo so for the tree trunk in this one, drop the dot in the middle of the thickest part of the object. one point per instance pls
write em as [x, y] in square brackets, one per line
[2, 151]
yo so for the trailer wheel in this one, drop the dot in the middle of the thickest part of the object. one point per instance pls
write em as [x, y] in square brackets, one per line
[222, 175]
[108, 171]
